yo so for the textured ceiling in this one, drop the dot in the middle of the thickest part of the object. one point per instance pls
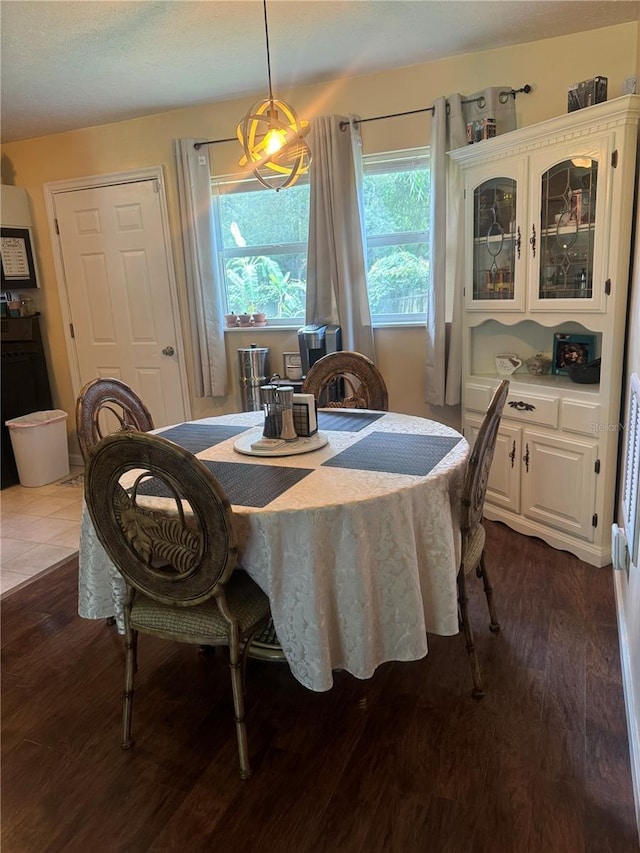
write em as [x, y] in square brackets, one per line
[75, 63]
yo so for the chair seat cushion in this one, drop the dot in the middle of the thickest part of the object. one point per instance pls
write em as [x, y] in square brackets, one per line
[203, 623]
[472, 548]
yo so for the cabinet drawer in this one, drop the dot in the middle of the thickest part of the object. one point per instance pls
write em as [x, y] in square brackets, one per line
[477, 397]
[580, 417]
[532, 409]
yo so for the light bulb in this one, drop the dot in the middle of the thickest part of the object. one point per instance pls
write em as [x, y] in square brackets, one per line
[274, 141]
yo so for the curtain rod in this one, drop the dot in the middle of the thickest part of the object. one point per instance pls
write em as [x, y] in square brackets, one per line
[345, 124]
[481, 101]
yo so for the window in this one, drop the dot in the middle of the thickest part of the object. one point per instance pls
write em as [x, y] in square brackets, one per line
[263, 241]
[396, 213]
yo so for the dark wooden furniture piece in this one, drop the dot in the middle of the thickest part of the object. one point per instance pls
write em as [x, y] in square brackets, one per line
[25, 382]
[106, 395]
[473, 533]
[180, 570]
[363, 386]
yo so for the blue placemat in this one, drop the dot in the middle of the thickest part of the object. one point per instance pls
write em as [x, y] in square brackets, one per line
[348, 421]
[244, 484]
[197, 437]
[395, 453]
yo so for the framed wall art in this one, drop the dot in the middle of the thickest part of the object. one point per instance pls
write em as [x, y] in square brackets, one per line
[18, 265]
[569, 350]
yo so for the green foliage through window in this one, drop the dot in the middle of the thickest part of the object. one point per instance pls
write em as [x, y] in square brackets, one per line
[263, 241]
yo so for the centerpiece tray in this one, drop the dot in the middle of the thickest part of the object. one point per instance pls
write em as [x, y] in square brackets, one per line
[302, 444]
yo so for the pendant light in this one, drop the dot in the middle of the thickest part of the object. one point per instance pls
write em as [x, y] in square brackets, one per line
[272, 138]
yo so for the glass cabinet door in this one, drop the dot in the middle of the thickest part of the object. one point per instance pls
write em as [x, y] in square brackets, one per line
[567, 229]
[496, 241]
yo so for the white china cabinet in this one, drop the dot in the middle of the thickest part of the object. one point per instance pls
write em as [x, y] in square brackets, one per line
[548, 216]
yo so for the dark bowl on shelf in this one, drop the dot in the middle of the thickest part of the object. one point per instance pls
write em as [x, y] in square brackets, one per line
[585, 374]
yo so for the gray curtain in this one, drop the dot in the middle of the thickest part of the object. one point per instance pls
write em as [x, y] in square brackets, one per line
[444, 303]
[206, 314]
[336, 267]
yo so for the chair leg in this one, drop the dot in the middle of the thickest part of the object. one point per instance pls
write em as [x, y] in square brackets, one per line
[235, 665]
[481, 572]
[478, 690]
[131, 665]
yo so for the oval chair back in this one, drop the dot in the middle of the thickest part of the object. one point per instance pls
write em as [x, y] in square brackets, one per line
[473, 533]
[108, 402]
[354, 378]
[168, 528]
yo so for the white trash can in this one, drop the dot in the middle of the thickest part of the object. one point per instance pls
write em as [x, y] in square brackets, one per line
[40, 446]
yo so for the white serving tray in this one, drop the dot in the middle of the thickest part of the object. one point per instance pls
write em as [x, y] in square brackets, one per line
[287, 448]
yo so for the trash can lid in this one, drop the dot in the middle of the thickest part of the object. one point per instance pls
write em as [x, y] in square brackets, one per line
[36, 419]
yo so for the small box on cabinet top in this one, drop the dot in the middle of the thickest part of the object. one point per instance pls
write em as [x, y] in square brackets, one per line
[586, 93]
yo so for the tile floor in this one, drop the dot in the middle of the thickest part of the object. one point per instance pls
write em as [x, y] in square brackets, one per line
[39, 528]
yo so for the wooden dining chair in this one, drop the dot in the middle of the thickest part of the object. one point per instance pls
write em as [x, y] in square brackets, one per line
[178, 561]
[360, 383]
[473, 533]
[108, 402]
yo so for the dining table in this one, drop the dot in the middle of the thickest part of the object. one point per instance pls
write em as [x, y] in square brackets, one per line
[354, 534]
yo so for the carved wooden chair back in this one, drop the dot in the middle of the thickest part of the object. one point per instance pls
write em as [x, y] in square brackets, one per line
[177, 556]
[475, 487]
[362, 385]
[108, 405]
[473, 533]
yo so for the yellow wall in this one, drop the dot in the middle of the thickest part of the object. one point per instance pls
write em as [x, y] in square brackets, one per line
[549, 66]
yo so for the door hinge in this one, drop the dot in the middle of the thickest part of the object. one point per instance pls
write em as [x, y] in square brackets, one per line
[73, 334]
[607, 287]
[57, 227]
[614, 159]
[594, 519]
[464, 193]
[596, 467]
[156, 186]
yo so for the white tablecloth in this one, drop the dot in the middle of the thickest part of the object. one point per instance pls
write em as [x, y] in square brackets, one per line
[359, 565]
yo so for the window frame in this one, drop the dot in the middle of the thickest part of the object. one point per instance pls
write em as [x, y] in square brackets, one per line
[380, 163]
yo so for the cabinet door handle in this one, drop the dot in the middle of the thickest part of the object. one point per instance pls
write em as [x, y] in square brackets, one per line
[525, 458]
[512, 455]
[521, 406]
[532, 240]
[518, 242]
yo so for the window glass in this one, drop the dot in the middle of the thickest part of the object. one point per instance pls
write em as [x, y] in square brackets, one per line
[262, 237]
[263, 248]
[396, 211]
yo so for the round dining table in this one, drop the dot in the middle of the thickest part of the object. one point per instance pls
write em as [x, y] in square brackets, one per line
[356, 539]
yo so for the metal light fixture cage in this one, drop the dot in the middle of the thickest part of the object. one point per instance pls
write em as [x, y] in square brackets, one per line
[272, 137]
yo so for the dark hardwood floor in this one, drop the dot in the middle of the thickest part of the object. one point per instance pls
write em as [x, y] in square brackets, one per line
[539, 765]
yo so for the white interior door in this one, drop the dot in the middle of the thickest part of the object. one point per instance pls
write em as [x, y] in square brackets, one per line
[115, 262]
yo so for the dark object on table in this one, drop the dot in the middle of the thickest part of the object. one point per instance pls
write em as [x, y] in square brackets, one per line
[585, 374]
[182, 583]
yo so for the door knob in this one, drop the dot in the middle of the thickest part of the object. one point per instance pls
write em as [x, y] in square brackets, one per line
[168, 351]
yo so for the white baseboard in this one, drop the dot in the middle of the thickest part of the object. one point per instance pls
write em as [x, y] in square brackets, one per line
[631, 695]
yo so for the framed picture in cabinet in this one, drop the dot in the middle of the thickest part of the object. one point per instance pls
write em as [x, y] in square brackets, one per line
[569, 350]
